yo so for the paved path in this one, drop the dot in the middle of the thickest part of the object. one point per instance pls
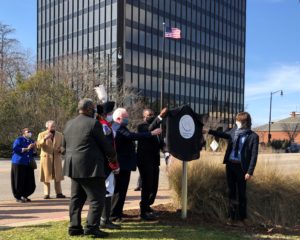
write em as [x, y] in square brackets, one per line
[40, 210]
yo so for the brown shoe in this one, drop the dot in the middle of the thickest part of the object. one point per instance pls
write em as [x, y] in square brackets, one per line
[46, 197]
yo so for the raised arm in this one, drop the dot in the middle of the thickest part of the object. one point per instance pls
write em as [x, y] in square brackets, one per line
[157, 121]
[219, 134]
[125, 133]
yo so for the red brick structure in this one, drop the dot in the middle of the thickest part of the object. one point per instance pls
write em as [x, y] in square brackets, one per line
[288, 128]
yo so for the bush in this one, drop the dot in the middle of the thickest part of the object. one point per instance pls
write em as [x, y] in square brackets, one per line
[273, 198]
[280, 144]
[5, 150]
[32, 103]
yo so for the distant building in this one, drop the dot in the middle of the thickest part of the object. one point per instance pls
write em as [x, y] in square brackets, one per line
[285, 129]
[205, 68]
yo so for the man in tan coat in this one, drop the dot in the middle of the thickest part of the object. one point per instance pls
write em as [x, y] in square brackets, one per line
[50, 143]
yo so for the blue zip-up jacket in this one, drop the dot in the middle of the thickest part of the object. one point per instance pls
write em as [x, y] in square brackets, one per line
[18, 157]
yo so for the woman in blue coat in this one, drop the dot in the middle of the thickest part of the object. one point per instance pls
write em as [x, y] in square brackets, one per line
[22, 174]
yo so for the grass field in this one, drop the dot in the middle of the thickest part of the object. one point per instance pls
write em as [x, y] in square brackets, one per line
[130, 230]
[169, 227]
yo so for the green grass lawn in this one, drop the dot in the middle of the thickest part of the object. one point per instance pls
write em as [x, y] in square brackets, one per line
[140, 230]
[130, 230]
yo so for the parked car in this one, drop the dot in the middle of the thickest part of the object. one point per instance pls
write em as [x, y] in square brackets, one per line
[293, 148]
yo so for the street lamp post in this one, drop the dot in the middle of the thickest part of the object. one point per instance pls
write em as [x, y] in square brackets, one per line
[271, 94]
[109, 67]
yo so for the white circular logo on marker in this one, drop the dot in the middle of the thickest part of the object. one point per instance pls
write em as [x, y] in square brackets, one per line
[186, 126]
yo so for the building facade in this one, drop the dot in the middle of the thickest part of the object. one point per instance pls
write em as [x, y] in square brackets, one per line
[205, 68]
[284, 129]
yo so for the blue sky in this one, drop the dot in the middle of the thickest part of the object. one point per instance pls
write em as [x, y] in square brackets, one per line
[272, 51]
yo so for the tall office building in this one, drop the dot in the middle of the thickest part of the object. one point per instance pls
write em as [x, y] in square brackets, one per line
[205, 68]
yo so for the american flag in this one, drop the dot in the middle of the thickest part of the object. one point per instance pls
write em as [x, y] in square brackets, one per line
[172, 33]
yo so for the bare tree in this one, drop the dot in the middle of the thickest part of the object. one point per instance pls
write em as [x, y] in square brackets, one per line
[13, 61]
[291, 129]
[83, 74]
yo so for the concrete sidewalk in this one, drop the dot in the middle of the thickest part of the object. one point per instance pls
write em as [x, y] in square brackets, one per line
[38, 211]
[13, 214]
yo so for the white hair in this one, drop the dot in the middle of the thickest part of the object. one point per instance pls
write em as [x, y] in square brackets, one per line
[49, 122]
[118, 113]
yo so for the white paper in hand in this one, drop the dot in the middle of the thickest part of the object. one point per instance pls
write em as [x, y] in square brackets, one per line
[214, 145]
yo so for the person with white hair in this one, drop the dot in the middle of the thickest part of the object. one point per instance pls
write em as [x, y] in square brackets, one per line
[50, 143]
[126, 155]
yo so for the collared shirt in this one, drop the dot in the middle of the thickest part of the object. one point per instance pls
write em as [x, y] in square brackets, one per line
[241, 143]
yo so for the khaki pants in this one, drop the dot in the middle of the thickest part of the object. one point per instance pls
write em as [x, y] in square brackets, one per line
[57, 187]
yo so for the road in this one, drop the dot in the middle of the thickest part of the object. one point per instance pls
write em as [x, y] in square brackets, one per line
[5, 186]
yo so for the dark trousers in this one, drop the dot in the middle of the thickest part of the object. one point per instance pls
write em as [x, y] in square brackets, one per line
[237, 191]
[22, 181]
[106, 210]
[150, 177]
[139, 182]
[121, 187]
[82, 189]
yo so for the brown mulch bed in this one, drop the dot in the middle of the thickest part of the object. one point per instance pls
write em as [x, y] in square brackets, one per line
[169, 215]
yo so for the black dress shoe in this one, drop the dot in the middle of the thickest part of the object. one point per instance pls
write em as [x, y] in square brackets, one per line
[147, 216]
[95, 233]
[138, 189]
[116, 219]
[60, 195]
[109, 225]
[27, 199]
[150, 209]
[75, 232]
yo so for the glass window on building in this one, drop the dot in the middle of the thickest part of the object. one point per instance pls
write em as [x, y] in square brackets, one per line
[141, 38]
[128, 34]
[108, 36]
[128, 11]
[135, 36]
[85, 41]
[142, 16]
[135, 58]
[102, 15]
[108, 13]
[135, 14]
[114, 11]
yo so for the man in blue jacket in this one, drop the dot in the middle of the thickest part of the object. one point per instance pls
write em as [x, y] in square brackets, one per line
[126, 155]
[240, 159]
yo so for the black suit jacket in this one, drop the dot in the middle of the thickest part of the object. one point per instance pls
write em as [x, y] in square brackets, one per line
[249, 151]
[125, 146]
[85, 148]
[148, 148]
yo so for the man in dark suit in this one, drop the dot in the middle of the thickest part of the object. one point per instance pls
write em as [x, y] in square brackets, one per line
[85, 151]
[125, 147]
[240, 159]
[148, 161]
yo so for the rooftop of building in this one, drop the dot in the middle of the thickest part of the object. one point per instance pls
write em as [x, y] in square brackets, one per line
[286, 124]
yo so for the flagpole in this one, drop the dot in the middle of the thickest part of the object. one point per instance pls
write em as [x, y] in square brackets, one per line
[162, 81]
